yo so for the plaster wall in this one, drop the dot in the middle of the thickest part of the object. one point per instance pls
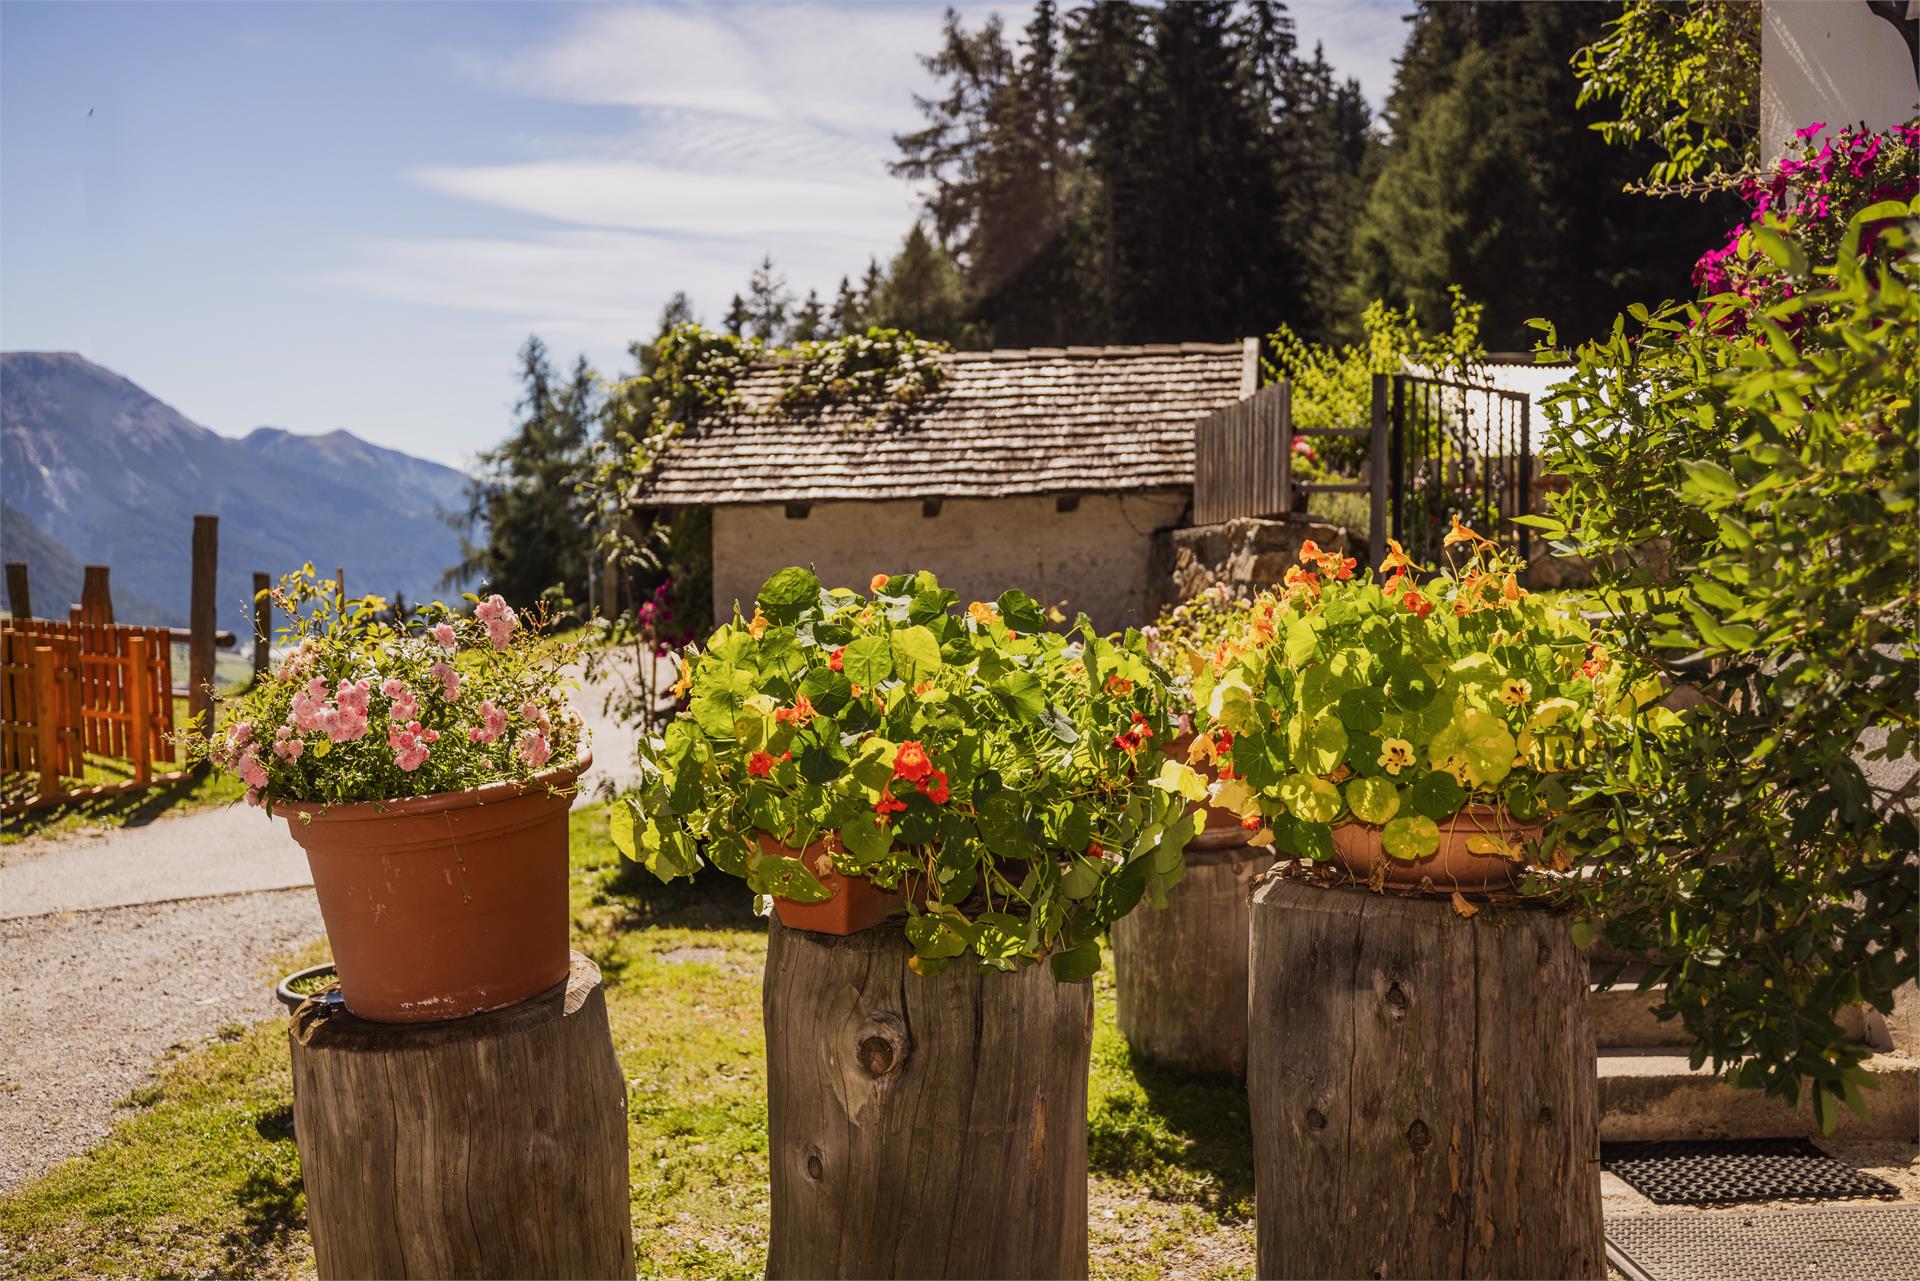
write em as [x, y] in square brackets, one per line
[1098, 557]
[1831, 62]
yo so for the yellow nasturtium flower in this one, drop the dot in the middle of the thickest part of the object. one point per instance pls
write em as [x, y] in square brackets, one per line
[1395, 755]
[982, 613]
[1515, 692]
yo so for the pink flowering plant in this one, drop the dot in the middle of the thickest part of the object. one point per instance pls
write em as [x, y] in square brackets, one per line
[366, 707]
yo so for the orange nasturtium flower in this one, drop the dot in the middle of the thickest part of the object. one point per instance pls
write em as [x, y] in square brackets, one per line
[934, 787]
[879, 581]
[911, 762]
[758, 627]
[760, 765]
[1118, 684]
[798, 715]
[888, 804]
[982, 613]
[837, 660]
[1397, 558]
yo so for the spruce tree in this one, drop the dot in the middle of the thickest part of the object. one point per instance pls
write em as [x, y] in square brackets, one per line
[810, 321]
[767, 303]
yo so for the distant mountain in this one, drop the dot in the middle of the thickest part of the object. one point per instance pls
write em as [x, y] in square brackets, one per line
[55, 576]
[115, 477]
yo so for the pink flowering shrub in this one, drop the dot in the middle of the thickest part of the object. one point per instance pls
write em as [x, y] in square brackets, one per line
[1815, 193]
[364, 708]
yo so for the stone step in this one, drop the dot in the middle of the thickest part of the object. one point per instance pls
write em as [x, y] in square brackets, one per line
[1650, 1093]
[1623, 1019]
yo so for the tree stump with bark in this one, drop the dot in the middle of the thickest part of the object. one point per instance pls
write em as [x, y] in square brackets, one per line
[491, 1146]
[1423, 1089]
[922, 1127]
[1180, 972]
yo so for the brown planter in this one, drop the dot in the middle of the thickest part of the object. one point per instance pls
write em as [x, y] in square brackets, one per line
[1356, 847]
[857, 903]
[1218, 820]
[438, 907]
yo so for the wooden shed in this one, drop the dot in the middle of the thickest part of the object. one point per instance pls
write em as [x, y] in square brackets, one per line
[1049, 469]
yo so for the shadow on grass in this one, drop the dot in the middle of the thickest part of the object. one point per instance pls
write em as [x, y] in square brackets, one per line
[129, 809]
[1190, 1138]
[272, 1211]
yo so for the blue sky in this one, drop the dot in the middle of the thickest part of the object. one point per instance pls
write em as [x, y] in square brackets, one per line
[350, 215]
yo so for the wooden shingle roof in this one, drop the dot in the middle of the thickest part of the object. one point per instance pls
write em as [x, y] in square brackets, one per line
[1044, 420]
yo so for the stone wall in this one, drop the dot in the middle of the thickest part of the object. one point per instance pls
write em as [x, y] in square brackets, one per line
[1099, 556]
[1245, 554]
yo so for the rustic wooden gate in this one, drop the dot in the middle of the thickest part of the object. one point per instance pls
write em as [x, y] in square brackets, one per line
[1459, 449]
[1243, 459]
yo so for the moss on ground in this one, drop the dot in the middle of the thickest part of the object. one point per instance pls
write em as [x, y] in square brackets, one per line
[200, 1177]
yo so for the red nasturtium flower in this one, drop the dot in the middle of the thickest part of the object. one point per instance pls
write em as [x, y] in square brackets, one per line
[760, 765]
[888, 804]
[934, 787]
[837, 660]
[1139, 732]
[1118, 684]
[911, 762]
[1419, 604]
[1095, 850]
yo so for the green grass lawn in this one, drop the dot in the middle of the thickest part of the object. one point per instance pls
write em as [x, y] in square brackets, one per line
[200, 1176]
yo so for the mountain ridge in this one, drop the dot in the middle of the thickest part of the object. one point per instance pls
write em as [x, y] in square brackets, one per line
[114, 475]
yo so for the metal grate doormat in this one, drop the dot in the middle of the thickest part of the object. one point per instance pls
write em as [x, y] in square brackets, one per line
[1726, 1171]
[1833, 1243]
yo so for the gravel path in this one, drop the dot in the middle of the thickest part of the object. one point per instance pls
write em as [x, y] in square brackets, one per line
[73, 1042]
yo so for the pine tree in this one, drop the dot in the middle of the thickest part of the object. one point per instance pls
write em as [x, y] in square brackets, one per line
[924, 292]
[526, 497]
[848, 313]
[737, 318]
[767, 303]
[810, 321]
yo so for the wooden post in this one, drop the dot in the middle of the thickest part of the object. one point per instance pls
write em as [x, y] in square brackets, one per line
[491, 1146]
[1377, 460]
[203, 615]
[19, 599]
[1180, 972]
[923, 1127]
[1422, 1087]
[262, 625]
[96, 596]
[1284, 409]
[140, 707]
[46, 720]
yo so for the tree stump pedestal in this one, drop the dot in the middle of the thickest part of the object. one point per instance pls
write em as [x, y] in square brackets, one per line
[922, 1127]
[491, 1146]
[1422, 1087]
[1180, 972]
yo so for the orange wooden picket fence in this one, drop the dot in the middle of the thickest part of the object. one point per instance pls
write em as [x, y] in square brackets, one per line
[77, 689]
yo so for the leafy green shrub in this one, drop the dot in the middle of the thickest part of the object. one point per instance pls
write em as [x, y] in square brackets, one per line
[1398, 704]
[1006, 775]
[1746, 494]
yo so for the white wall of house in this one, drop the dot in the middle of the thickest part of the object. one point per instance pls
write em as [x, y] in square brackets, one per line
[1831, 62]
[1096, 557]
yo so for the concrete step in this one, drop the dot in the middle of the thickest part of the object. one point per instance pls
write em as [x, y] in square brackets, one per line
[1651, 1093]
[1623, 1019]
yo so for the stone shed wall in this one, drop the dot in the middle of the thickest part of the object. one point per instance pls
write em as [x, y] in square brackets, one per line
[1100, 557]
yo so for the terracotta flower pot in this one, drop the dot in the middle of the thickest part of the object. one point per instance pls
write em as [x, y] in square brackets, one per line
[1218, 820]
[438, 907]
[857, 903]
[1357, 848]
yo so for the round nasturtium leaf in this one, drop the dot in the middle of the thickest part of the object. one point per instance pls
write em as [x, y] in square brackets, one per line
[1410, 838]
[1324, 745]
[1373, 800]
[1436, 795]
[1477, 744]
[1313, 799]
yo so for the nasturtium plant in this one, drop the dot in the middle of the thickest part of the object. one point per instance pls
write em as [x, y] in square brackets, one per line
[1008, 777]
[1396, 703]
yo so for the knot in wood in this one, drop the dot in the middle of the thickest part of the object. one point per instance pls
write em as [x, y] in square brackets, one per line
[1419, 1136]
[816, 1166]
[882, 1046]
[1546, 1116]
[1398, 1000]
[1316, 1119]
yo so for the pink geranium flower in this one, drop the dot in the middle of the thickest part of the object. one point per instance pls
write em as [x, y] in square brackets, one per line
[443, 632]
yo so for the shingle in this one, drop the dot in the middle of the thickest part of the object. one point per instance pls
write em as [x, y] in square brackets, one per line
[1038, 421]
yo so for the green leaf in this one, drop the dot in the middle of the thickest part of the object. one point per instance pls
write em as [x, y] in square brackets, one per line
[1021, 612]
[1782, 250]
[1323, 746]
[788, 878]
[935, 936]
[867, 840]
[1372, 800]
[1076, 964]
[620, 816]
[1410, 838]
[1312, 799]
[1020, 692]
[1004, 828]
[1436, 795]
[788, 594]
[916, 654]
[1709, 479]
[1360, 710]
[868, 661]
[1476, 743]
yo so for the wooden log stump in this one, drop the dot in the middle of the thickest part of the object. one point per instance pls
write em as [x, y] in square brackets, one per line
[1422, 1087]
[922, 1127]
[492, 1146]
[1180, 972]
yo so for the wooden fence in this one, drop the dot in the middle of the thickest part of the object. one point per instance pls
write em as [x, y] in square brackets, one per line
[73, 690]
[1243, 460]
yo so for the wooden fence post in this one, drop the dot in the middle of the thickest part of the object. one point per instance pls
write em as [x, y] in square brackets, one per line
[96, 596]
[262, 625]
[203, 615]
[1377, 461]
[19, 600]
[46, 720]
[140, 707]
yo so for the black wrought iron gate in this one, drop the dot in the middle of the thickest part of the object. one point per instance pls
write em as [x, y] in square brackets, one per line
[1455, 449]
